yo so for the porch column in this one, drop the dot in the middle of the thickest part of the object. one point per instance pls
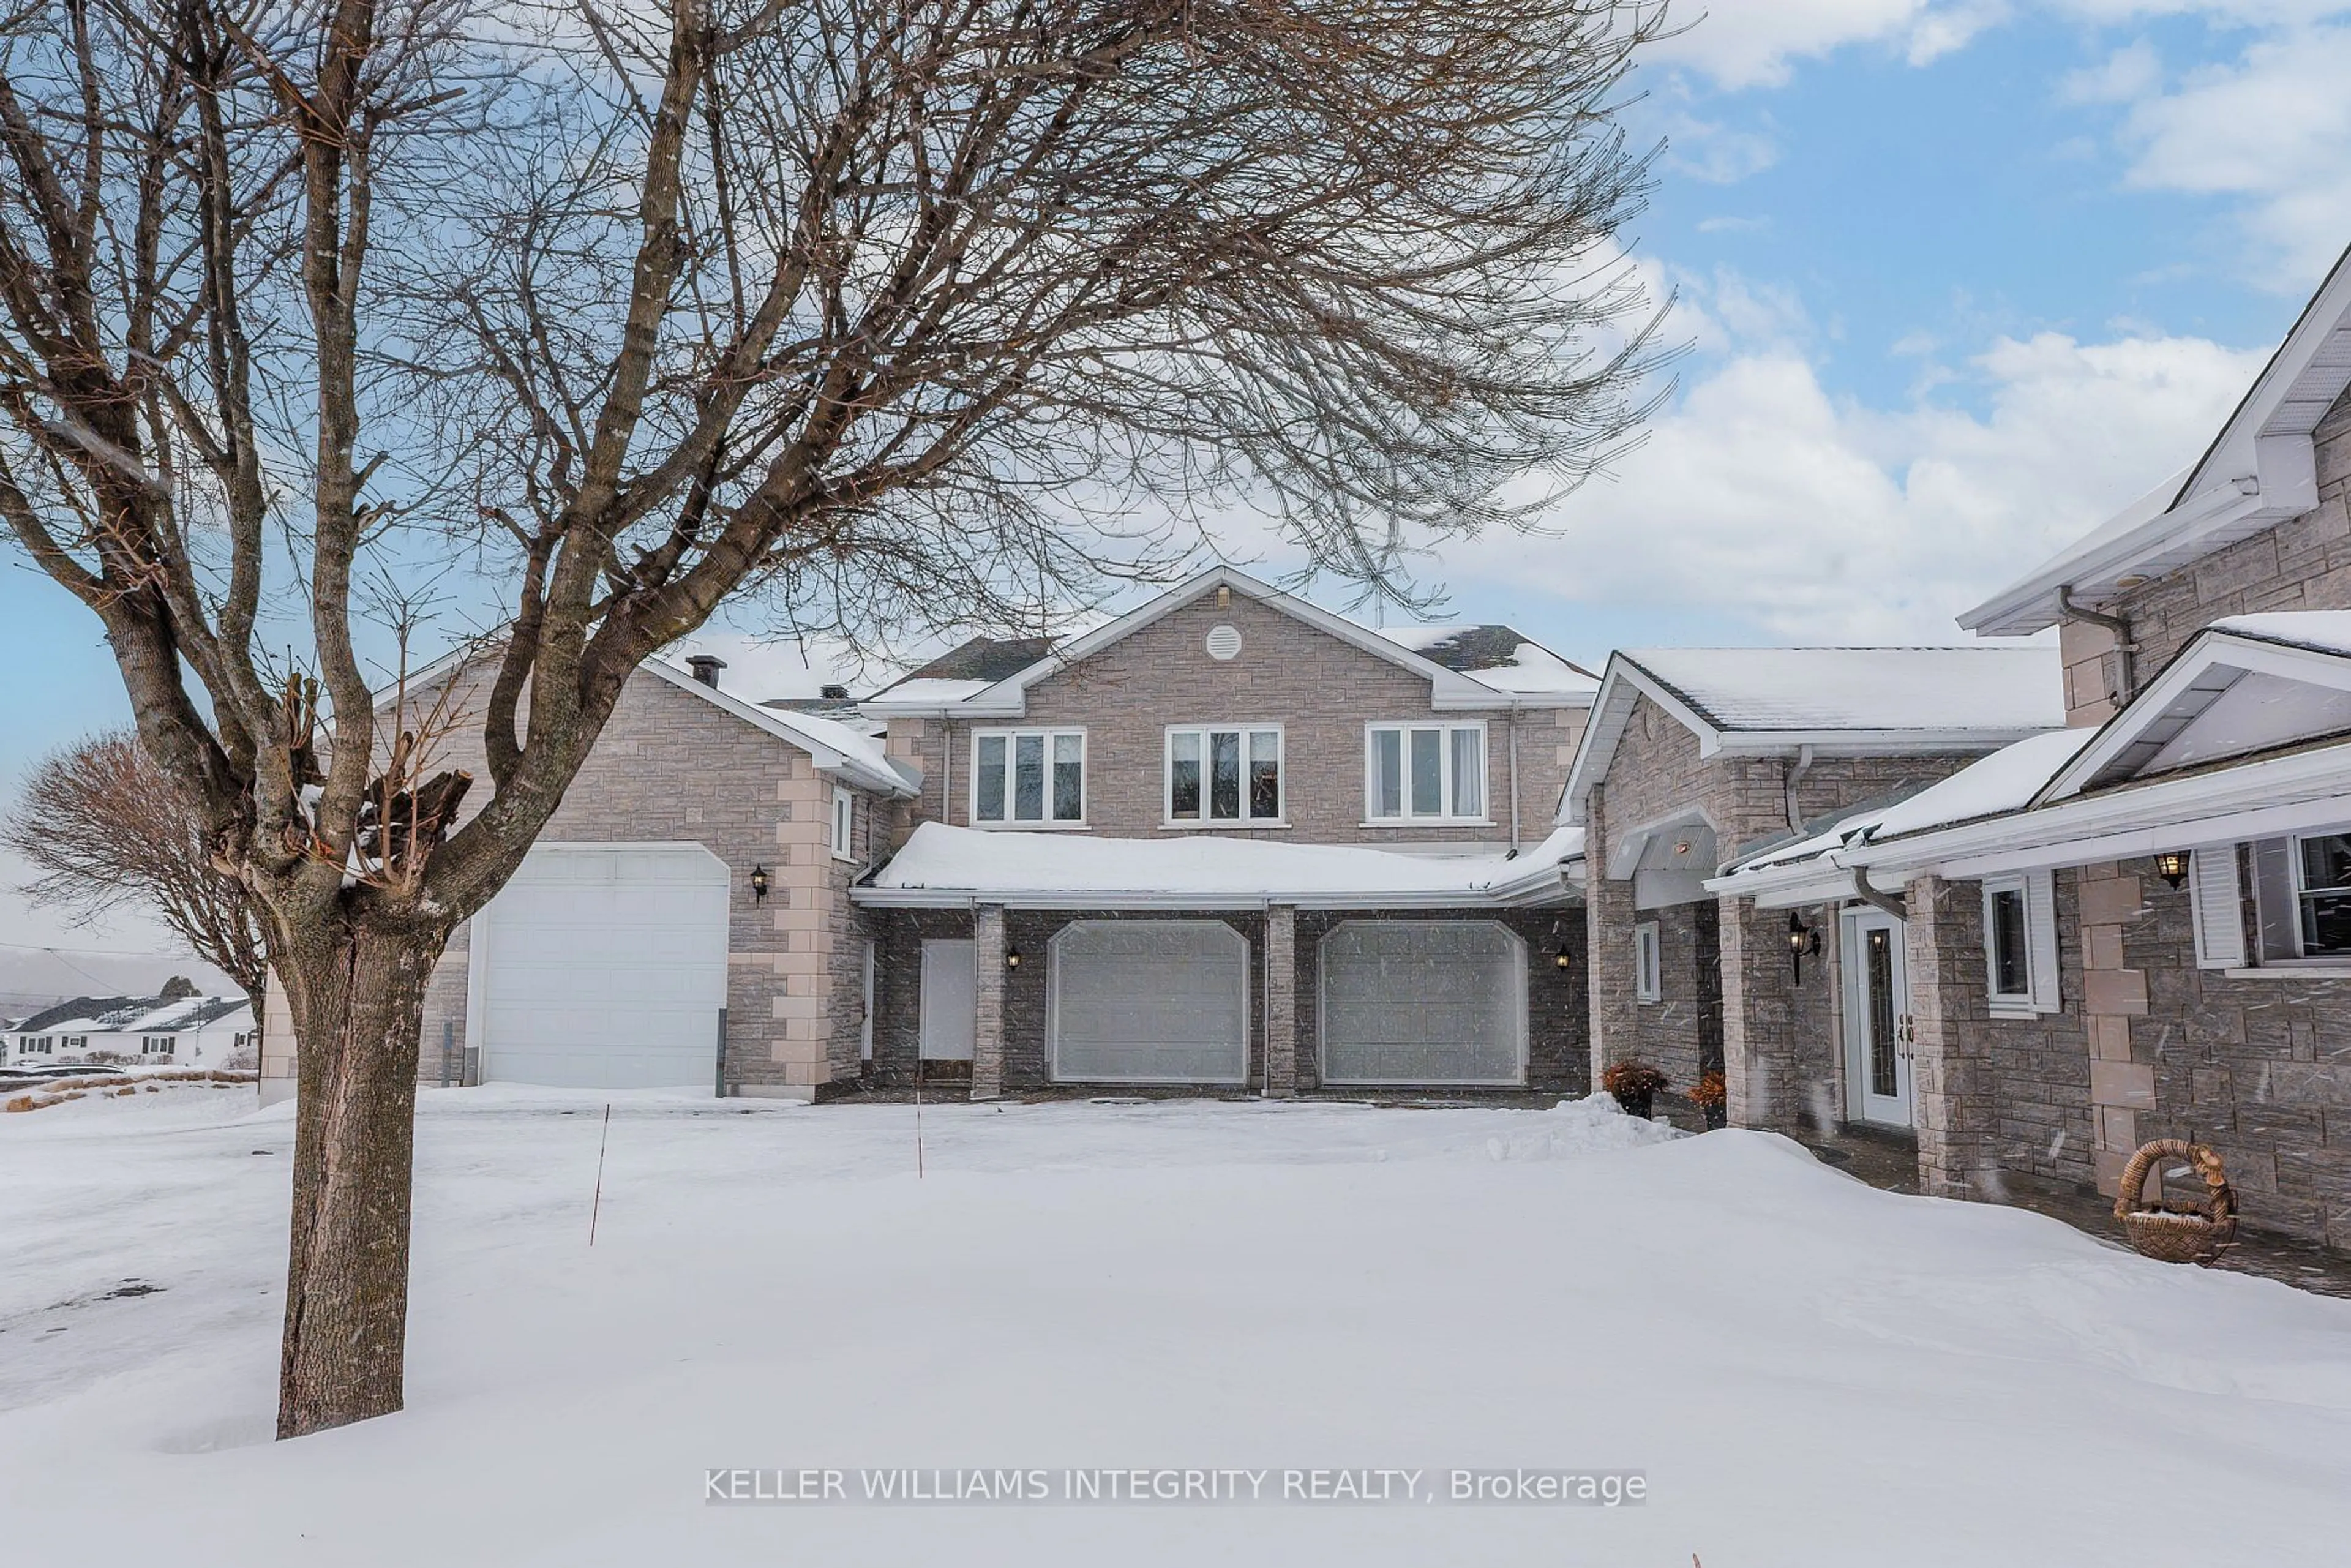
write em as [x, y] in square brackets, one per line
[1950, 1045]
[987, 1019]
[2122, 1084]
[1763, 1068]
[1608, 920]
[1280, 1001]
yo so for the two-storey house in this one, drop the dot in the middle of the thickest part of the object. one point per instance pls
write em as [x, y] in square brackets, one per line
[1232, 839]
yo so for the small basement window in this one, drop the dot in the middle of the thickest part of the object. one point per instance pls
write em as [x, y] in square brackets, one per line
[1649, 963]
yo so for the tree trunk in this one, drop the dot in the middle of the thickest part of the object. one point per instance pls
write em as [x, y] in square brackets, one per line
[356, 995]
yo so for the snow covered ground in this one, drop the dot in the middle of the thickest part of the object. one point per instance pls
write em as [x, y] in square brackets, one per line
[1806, 1371]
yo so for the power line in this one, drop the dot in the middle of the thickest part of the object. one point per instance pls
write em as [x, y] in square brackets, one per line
[179, 956]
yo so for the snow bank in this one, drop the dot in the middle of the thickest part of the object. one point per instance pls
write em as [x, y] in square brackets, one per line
[1808, 1371]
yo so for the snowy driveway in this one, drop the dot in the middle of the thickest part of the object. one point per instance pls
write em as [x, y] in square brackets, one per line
[1807, 1371]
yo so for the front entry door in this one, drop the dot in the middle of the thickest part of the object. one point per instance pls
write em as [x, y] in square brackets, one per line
[1877, 1029]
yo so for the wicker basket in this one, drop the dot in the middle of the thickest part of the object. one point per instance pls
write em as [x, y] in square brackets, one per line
[2178, 1232]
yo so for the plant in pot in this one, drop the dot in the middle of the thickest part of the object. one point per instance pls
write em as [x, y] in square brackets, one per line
[1635, 1084]
[1712, 1098]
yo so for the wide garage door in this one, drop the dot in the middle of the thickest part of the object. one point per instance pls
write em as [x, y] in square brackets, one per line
[1424, 1001]
[1150, 1001]
[604, 967]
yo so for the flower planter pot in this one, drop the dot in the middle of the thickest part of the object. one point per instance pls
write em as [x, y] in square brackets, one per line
[1716, 1116]
[1635, 1103]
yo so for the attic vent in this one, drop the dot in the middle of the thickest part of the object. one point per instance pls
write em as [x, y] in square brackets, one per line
[1224, 642]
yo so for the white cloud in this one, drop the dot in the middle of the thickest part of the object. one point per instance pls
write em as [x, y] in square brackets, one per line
[1755, 43]
[2132, 72]
[1761, 498]
[1716, 153]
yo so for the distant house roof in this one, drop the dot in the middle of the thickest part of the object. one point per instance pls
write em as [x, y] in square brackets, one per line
[1499, 656]
[2258, 471]
[131, 1015]
[1878, 701]
[987, 659]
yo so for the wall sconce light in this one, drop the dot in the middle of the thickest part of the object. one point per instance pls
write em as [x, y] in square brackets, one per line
[1012, 958]
[1564, 961]
[1802, 939]
[2171, 865]
[759, 883]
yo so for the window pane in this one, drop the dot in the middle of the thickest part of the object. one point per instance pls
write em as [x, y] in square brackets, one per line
[1469, 772]
[1183, 776]
[2327, 861]
[1069, 777]
[1028, 777]
[1225, 775]
[2326, 922]
[1428, 773]
[2011, 977]
[990, 777]
[1388, 773]
[1264, 774]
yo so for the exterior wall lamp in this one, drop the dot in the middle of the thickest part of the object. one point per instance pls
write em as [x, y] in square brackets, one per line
[2171, 865]
[759, 883]
[1802, 939]
[1564, 961]
[1011, 958]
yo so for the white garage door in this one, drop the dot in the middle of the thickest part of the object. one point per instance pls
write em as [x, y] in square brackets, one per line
[605, 969]
[1423, 1001]
[1150, 1001]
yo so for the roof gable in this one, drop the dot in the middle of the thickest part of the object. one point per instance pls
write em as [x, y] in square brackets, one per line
[1006, 698]
[2247, 684]
[2261, 470]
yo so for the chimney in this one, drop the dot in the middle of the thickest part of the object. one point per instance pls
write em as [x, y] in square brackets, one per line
[705, 667]
[833, 692]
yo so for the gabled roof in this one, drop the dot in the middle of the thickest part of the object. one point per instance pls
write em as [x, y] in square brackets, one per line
[1007, 696]
[131, 1015]
[2245, 684]
[2261, 470]
[941, 866]
[1848, 701]
[1499, 656]
[834, 747]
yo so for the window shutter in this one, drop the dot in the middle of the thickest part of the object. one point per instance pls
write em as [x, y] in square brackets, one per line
[2041, 934]
[2280, 921]
[2216, 902]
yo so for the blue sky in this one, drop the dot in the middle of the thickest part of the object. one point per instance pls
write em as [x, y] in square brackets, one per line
[1959, 280]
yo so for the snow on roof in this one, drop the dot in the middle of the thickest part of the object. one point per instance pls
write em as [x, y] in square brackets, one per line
[1009, 865]
[1800, 689]
[1498, 656]
[861, 757]
[2325, 631]
[2005, 781]
[929, 689]
[131, 1015]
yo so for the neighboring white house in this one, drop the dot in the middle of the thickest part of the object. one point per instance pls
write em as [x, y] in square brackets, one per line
[179, 1031]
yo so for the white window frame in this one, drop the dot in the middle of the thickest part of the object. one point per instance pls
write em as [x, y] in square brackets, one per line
[1049, 822]
[2037, 892]
[1405, 818]
[1167, 817]
[844, 824]
[159, 1045]
[2301, 902]
[1648, 962]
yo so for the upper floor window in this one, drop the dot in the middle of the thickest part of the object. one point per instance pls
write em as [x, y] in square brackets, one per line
[1028, 777]
[844, 823]
[1220, 775]
[1427, 772]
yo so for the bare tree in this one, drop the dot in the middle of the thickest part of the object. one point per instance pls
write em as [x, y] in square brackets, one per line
[896, 308]
[104, 828]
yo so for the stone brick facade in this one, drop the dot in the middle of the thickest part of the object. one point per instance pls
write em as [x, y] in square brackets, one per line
[1778, 1035]
[672, 767]
[1323, 691]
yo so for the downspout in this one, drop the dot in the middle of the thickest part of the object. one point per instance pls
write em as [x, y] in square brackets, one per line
[1791, 781]
[1514, 777]
[946, 771]
[2125, 676]
[1890, 903]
